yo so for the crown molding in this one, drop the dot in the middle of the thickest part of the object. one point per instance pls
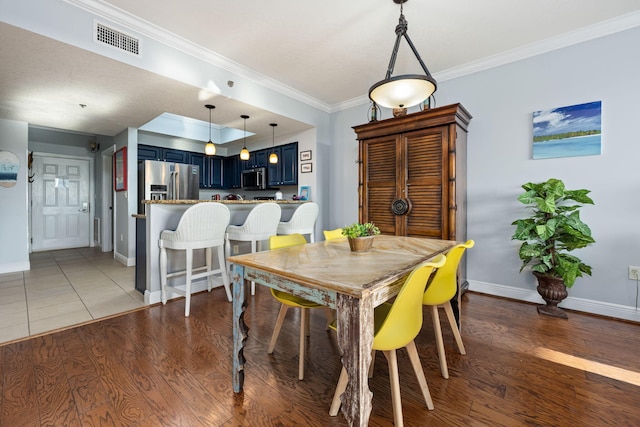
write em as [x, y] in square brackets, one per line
[159, 34]
[126, 20]
[601, 29]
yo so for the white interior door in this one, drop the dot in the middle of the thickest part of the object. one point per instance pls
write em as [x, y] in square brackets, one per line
[60, 208]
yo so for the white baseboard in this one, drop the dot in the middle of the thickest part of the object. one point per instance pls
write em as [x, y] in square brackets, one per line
[15, 267]
[154, 297]
[579, 304]
[129, 262]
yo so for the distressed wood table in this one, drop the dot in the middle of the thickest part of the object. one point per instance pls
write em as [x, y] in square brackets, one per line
[351, 283]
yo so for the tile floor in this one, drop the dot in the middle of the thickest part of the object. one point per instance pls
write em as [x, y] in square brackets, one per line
[63, 288]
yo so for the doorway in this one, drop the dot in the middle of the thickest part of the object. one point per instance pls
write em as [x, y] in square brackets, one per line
[61, 207]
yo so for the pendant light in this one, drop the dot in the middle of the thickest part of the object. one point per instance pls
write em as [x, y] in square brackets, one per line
[244, 153]
[405, 90]
[273, 157]
[210, 148]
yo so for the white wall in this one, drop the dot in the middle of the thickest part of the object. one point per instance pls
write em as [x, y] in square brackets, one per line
[14, 214]
[502, 101]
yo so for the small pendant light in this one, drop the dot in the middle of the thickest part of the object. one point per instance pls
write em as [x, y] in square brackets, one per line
[210, 148]
[244, 153]
[273, 158]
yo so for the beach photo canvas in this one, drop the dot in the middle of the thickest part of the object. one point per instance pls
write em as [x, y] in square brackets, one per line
[570, 131]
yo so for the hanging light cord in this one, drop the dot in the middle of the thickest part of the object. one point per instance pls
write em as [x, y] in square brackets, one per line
[210, 124]
[401, 30]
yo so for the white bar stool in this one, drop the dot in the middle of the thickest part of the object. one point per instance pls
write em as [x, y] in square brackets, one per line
[261, 223]
[201, 226]
[303, 221]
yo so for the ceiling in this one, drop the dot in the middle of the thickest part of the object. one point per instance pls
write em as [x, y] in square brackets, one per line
[329, 51]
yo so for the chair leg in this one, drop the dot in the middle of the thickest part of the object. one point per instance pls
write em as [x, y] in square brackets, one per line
[417, 368]
[396, 402]
[253, 284]
[163, 274]
[312, 237]
[439, 343]
[227, 250]
[223, 272]
[454, 327]
[208, 261]
[187, 288]
[304, 323]
[340, 388]
[277, 327]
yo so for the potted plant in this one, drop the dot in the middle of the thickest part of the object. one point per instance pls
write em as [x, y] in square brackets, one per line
[360, 236]
[553, 229]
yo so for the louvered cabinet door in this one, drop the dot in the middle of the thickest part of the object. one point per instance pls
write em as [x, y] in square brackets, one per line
[415, 165]
[379, 186]
[426, 176]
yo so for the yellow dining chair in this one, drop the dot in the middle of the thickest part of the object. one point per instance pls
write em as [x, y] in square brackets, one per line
[287, 300]
[440, 290]
[332, 234]
[395, 326]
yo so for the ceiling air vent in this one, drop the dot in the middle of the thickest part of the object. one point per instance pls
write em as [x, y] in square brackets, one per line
[117, 39]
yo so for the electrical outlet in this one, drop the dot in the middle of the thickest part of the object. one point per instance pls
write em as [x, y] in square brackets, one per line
[236, 249]
[634, 273]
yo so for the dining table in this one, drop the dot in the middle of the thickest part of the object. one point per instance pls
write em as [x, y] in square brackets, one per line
[352, 283]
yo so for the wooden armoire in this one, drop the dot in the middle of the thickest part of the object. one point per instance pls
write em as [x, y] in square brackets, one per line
[412, 179]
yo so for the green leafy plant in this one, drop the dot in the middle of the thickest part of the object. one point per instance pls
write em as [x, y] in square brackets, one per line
[360, 230]
[553, 229]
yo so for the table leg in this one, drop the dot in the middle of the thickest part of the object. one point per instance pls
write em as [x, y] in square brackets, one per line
[240, 329]
[355, 337]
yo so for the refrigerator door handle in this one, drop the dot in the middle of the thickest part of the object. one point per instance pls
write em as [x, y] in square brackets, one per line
[176, 189]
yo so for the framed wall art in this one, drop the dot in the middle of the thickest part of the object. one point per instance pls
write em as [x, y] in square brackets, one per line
[305, 193]
[305, 155]
[570, 131]
[306, 168]
[120, 170]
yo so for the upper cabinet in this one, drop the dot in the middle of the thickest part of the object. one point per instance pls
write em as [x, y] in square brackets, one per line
[225, 172]
[211, 169]
[257, 159]
[285, 172]
[232, 169]
[148, 152]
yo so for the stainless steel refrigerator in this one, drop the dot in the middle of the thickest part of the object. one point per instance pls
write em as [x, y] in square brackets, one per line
[167, 181]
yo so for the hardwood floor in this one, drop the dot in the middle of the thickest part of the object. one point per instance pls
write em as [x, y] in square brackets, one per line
[154, 367]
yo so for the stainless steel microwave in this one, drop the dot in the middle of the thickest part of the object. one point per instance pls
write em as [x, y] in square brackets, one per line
[254, 179]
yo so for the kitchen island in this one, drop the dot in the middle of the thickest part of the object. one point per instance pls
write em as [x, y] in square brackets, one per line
[165, 215]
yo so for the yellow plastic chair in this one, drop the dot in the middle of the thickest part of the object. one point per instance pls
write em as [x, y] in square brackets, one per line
[287, 300]
[332, 234]
[440, 290]
[395, 326]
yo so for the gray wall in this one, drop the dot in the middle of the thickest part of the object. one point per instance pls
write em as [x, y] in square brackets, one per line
[14, 214]
[502, 101]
